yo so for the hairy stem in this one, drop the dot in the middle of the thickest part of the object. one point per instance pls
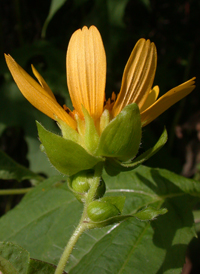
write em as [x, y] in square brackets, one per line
[83, 224]
[69, 247]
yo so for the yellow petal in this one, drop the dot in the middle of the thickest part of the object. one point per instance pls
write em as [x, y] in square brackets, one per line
[166, 101]
[42, 82]
[151, 98]
[36, 95]
[138, 76]
[86, 71]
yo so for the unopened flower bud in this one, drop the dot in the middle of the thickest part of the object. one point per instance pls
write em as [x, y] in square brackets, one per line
[80, 182]
[100, 211]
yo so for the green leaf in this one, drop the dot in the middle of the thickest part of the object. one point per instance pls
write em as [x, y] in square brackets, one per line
[49, 213]
[149, 213]
[9, 169]
[121, 138]
[16, 260]
[40, 267]
[65, 155]
[13, 259]
[113, 166]
[54, 7]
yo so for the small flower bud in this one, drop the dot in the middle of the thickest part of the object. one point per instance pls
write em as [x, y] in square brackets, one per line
[100, 211]
[80, 182]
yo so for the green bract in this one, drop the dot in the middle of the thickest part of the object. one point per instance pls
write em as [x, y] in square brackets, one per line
[65, 155]
[114, 167]
[91, 137]
[121, 138]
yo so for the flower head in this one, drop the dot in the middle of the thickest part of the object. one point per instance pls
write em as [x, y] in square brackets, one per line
[86, 78]
[94, 123]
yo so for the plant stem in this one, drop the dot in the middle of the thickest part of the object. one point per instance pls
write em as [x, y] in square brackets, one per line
[83, 224]
[15, 191]
[69, 247]
[95, 183]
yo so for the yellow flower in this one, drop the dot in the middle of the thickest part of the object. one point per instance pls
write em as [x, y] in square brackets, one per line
[86, 78]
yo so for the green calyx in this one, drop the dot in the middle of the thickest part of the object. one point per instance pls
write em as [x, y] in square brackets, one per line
[116, 147]
[66, 155]
[82, 149]
[119, 138]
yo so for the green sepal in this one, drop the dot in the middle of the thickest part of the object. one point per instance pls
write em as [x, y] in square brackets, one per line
[68, 132]
[91, 136]
[149, 213]
[117, 201]
[113, 166]
[65, 155]
[121, 138]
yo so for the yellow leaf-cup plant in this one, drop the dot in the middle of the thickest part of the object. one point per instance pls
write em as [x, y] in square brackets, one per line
[98, 133]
